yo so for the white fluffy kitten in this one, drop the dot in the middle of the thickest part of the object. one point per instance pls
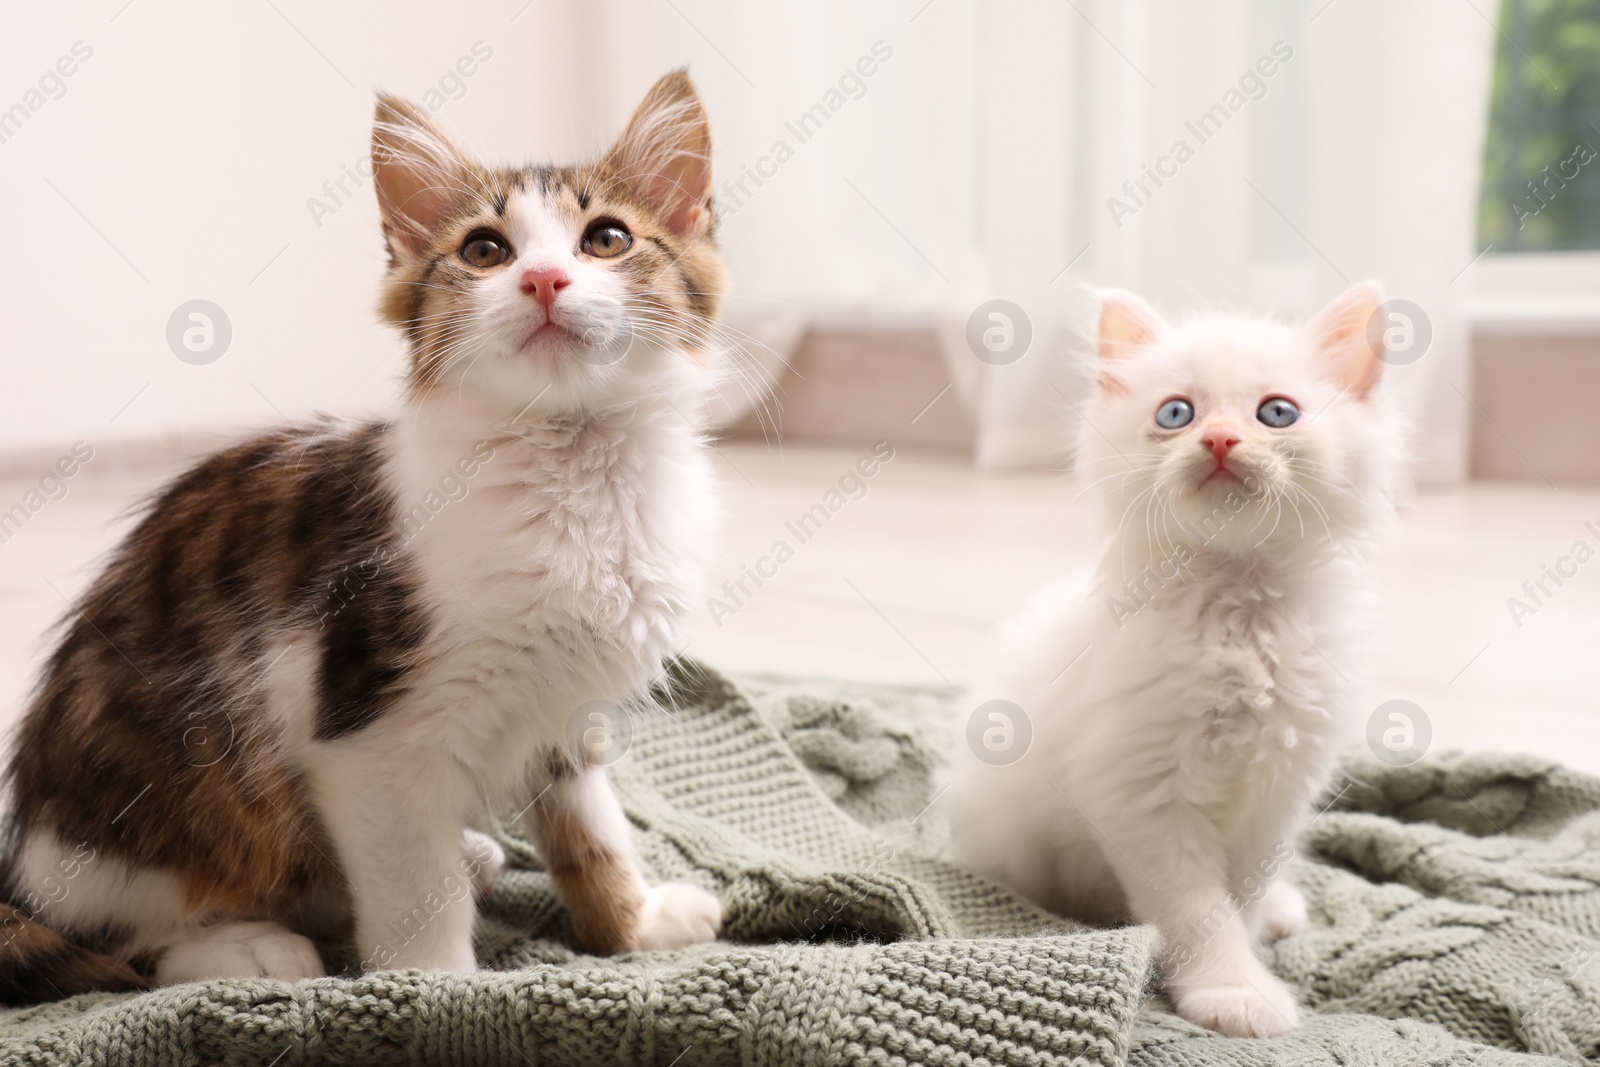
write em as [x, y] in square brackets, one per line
[1246, 465]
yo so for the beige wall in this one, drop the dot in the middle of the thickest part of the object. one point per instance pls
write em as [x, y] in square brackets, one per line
[185, 150]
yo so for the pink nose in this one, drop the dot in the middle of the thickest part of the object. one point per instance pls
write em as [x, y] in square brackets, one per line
[542, 283]
[1220, 442]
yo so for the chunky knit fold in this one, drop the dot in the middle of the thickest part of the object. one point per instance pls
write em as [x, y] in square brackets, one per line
[1455, 919]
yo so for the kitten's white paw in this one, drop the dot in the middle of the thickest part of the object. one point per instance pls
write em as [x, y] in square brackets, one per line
[675, 915]
[239, 950]
[1283, 911]
[485, 857]
[1261, 1007]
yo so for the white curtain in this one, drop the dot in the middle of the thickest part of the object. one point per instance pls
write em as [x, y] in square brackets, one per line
[1306, 145]
[1005, 150]
[1396, 174]
[843, 136]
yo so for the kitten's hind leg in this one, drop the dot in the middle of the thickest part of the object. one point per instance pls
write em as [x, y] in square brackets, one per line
[587, 846]
[1280, 913]
[238, 950]
[485, 859]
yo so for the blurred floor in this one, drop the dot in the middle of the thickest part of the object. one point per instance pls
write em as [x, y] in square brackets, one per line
[907, 581]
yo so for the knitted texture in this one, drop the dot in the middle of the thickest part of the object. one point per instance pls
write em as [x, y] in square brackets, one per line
[1455, 919]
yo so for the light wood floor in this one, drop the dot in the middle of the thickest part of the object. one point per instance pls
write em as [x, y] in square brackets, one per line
[906, 583]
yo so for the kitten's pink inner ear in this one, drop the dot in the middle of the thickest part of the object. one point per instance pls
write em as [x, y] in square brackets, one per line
[684, 188]
[1127, 324]
[665, 154]
[1349, 332]
[417, 171]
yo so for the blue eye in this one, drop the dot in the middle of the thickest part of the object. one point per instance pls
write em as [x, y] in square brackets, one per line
[1174, 413]
[1277, 413]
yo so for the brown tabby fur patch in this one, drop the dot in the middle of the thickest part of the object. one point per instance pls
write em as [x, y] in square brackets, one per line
[596, 882]
[36, 964]
[147, 738]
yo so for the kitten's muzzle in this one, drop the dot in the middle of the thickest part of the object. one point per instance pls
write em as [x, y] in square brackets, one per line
[598, 332]
[1220, 439]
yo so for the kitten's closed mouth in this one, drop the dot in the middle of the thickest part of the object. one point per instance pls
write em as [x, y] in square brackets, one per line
[551, 332]
[1222, 474]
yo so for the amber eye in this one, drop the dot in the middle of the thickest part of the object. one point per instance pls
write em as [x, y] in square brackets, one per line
[485, 250]
[606, 238]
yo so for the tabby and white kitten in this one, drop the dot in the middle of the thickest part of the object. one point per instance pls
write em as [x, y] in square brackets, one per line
[325, 652]
[1186, 699]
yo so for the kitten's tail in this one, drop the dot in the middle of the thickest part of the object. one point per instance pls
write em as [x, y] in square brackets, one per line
[38, 964]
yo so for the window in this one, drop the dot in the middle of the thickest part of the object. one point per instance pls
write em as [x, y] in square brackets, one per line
[1541, 177]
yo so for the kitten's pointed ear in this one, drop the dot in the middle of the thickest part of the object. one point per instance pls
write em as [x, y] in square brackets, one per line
[665, 155]
[418, 171]
[1127, 324]
[1349, 333]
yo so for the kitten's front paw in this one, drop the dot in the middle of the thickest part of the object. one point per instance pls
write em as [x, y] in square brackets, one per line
[1283, 911]
[1262, 1007]
[675, 915]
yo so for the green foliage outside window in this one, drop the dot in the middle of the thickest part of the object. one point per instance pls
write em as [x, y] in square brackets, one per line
[1541, 175]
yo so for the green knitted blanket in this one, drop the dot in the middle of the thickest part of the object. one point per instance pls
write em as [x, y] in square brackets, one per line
[1455, 920]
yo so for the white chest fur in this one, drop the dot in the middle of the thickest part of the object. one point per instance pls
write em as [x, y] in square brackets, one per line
[558, 562]
[1233, 681]
[1256, 684]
